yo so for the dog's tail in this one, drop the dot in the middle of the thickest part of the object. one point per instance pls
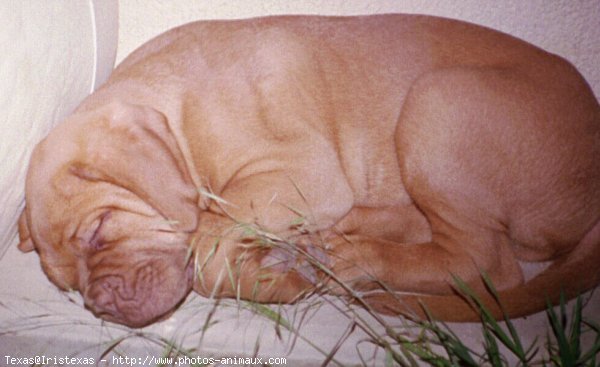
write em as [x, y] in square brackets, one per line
[577, 272]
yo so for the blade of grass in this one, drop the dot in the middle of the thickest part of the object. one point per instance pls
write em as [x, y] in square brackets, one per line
[518, 349]
[491, 348]
[456, 350]
[594, 351]
[512, 342]
[575, 330]
[565, 355]
[209, 194]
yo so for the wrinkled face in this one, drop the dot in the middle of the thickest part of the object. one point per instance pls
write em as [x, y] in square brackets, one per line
[103, 236]
[127, 262]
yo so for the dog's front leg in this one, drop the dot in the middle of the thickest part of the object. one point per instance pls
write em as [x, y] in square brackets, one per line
[368, 263]
[241, 260]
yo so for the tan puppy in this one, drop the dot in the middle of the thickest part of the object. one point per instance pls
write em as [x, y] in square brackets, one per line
[411, 148]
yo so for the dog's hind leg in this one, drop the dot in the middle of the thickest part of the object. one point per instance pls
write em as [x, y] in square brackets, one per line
[482, 154]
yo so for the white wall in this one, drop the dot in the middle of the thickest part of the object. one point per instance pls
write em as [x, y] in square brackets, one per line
[570, 28]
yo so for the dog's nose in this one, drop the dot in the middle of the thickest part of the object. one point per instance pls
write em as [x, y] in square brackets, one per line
[101, 297]
[127, 299]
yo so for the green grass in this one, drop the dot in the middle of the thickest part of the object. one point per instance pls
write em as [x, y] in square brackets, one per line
[501, 341]
[400, 342]
[396, 340]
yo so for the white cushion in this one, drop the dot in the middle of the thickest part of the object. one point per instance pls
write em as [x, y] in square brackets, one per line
[54, 53]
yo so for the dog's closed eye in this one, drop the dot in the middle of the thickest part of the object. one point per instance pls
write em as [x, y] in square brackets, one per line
[96, 241]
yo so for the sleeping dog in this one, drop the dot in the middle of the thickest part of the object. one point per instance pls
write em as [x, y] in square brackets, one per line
[390, 150]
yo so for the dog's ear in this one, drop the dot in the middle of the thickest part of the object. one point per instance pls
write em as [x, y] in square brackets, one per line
[133, 147]
[25, 242]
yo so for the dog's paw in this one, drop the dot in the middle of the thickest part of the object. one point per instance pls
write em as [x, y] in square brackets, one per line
[306, 259]
[279, 259]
